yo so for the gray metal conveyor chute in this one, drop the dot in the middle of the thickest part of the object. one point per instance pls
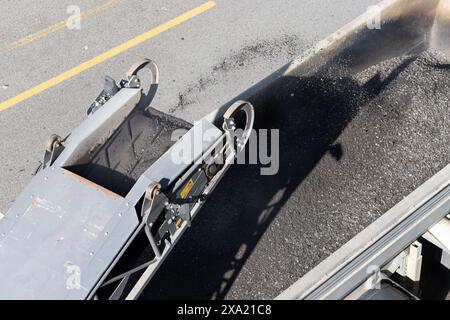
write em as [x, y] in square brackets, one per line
[112, 182]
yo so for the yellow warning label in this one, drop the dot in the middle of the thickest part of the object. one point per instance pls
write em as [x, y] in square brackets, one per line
[186, 189]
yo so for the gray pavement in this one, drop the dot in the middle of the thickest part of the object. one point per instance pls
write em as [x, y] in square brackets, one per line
[204, 62]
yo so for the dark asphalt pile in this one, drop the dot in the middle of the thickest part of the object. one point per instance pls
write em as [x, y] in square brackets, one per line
[351, 147]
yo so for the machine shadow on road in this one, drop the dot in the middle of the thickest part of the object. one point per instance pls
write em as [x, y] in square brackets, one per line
[311, 113]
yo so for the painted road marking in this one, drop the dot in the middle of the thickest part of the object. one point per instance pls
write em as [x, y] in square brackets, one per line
[61, 25]
[106, 55]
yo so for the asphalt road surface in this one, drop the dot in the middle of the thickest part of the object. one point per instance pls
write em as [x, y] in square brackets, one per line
[204, 62]
[351, 147]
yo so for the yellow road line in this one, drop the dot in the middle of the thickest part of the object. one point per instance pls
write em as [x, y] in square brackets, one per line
[61, 25]
[107, 55]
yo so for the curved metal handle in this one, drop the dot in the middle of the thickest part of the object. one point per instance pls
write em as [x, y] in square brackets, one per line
[229, 124]
[145, 63]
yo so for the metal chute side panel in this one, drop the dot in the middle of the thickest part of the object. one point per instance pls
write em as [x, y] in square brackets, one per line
[169, 167]
[98, 128]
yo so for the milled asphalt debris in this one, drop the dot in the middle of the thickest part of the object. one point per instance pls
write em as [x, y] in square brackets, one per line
[351, 147]
[268, 50]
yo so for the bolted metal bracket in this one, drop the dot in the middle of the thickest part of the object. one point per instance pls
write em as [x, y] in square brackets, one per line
[408, 263]
[109, 90]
